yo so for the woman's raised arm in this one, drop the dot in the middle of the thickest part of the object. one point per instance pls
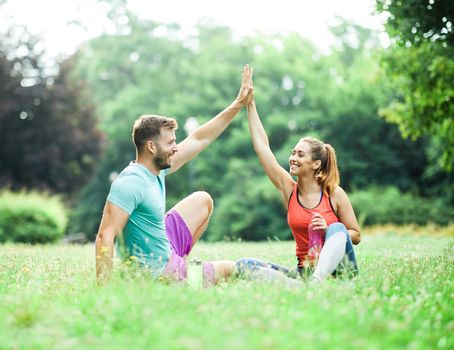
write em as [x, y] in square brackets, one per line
[277, 174]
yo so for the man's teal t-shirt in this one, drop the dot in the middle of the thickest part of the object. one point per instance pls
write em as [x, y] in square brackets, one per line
[142, 195]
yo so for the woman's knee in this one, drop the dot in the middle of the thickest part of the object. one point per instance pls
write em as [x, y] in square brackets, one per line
[334, 228]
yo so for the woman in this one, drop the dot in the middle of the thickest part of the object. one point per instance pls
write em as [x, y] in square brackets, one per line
[319, 213]
[315, 204]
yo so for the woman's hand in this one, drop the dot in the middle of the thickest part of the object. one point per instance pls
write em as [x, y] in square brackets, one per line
[318, 222]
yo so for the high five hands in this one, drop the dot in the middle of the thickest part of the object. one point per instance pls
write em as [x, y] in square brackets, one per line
[246, 93]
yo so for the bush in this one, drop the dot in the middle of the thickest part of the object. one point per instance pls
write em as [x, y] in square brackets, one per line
[378, 205]
[31, 217]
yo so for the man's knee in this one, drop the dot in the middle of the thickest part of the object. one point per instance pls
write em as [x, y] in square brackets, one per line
[205, 199]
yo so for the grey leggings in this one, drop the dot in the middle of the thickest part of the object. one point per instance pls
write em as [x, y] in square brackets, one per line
[246, 266]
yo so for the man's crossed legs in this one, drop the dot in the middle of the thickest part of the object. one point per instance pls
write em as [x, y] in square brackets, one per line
[185, 224]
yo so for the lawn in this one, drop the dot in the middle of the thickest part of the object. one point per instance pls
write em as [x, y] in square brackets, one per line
[402, 299]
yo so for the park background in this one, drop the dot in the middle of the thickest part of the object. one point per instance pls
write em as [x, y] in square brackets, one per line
[381, 95]
[388, 112]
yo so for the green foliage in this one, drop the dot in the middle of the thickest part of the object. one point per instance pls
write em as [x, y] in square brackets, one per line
[420, 66]
[48, 134]
[416, 22]
[251, 209]
[299, 91]
[31, 217]
[378, 205]
[401, 300]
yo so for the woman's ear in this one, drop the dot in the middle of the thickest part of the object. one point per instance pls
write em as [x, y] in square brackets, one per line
[316, 164]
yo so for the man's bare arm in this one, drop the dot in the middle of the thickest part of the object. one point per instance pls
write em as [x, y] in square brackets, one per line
[112, 223]
[208, 132]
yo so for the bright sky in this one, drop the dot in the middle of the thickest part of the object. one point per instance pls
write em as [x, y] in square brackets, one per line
[50, 18]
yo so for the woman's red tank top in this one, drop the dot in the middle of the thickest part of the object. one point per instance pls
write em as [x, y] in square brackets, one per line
[299, 218]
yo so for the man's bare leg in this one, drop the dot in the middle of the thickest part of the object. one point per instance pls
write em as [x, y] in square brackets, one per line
[217, 271]
[195, 210]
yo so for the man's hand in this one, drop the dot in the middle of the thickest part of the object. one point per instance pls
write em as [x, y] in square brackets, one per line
[104, 256]
[246, 93]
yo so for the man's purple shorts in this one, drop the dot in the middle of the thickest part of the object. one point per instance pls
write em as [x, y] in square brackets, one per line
[181, 244]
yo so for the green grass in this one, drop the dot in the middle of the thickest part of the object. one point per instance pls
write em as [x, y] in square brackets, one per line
[403, 299]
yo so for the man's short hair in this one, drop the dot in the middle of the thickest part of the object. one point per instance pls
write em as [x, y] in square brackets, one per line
[148, 127]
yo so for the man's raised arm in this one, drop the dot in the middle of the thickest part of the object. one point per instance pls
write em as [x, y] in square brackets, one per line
[208, 132]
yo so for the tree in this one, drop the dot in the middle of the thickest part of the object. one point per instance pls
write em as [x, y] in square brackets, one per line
[420, 64]
[48, 133]
[299, 91]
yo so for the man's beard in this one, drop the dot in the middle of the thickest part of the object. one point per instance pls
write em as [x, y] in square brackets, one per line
[160, 160]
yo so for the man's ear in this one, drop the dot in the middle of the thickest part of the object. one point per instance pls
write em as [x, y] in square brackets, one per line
[150, 146]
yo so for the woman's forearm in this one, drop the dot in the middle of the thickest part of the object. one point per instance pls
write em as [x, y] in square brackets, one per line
[258, 133]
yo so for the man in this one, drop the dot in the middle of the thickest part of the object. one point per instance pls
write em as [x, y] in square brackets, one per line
[136, 203]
